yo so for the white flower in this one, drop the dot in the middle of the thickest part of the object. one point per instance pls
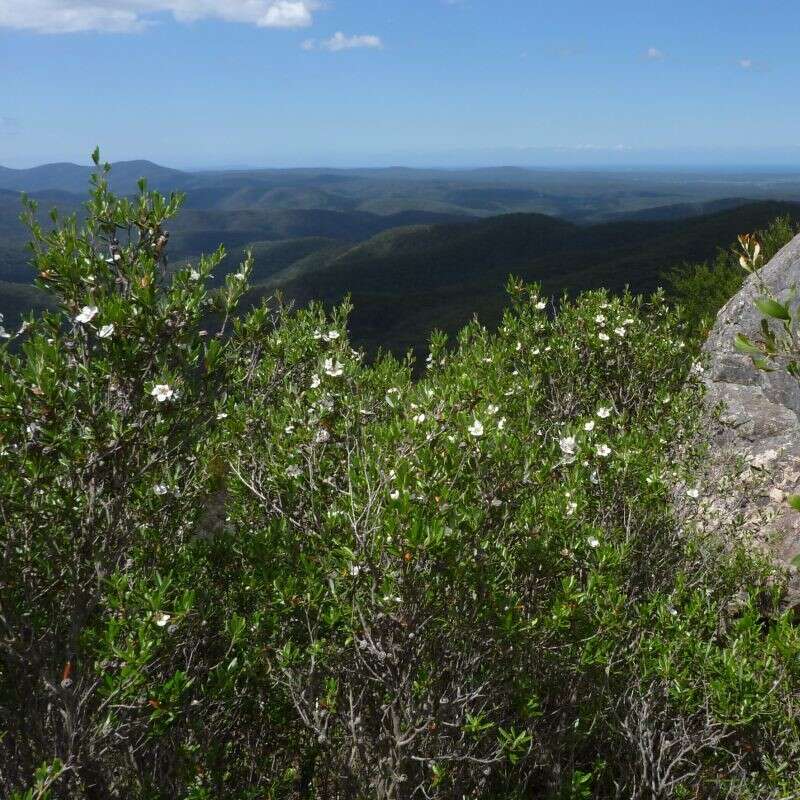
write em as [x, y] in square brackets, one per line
[603, 450]
[289, 429]
[592, 542]
[194, 275]
[395, 494]
[160, 489]
[4, 334]
[697, 368]
[619, 331]
[222, 415]
[315, 381]
[541, 305]
[333, 368]
[568, 445]
[492, 409]
[600, 319]
[476, 429]
[333, 335]
[322, 436]
[317, 334]
[88, 313]
[161, 619]
[628, 321]
[355, 569]
[572, 507]
[293, 472]
[501, 423]
[594, 478]
[107, 331]
[603, 412]
[239, 276]
[162, 392]
[589, 426]
[603, 337]
[419, 418]
[693, 493]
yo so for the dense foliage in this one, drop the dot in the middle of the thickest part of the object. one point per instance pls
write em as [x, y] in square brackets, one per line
[703, 288]
[248, 565]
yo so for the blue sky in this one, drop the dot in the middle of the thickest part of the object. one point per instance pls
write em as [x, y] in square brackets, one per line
[205, 83]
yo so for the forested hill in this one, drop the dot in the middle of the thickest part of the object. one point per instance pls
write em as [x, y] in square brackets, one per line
[408, 281]
[574, 194]
[413, 271]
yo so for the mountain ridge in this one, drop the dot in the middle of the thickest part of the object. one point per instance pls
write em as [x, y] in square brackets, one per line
[579, 195]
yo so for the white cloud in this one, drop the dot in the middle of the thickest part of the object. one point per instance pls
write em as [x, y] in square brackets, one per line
[339, 42]
[654, 54]
[131, 16]
[615, 147]
[752, 65]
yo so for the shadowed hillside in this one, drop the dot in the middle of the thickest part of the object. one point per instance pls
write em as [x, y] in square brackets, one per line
[412, 271]
[406, 282]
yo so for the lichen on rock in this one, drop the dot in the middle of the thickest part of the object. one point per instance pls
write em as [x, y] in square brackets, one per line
[758, 425]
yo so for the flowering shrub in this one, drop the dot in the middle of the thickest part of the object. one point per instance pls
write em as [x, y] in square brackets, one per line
[250, 565]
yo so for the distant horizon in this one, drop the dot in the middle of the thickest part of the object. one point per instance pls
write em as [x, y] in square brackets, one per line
[768, 163]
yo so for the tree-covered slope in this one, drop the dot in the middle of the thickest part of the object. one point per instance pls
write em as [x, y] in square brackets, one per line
[406, 282]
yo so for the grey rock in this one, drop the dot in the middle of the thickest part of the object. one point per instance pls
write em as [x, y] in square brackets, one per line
[759, 424]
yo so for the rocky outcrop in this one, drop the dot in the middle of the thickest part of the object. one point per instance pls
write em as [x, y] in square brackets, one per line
[759, 425]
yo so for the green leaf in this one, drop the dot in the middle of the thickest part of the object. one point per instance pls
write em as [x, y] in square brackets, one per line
[763, 365]
[744, 345]
[772, 308]
[794, 501]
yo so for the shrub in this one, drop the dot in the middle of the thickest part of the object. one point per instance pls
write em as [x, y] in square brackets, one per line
[103, 418]
[250, 565]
